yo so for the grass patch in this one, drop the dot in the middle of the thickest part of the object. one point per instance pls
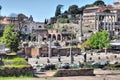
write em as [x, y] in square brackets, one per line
[12, 53]
[16, 78]
[15, 62]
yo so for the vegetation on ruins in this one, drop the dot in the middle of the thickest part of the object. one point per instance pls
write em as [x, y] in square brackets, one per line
[10, 38]
[63, 20]
[98, 41]
[72, 11]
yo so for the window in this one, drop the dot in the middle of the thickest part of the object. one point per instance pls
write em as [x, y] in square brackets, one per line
[25, 28]
[33, 28]
[39, 26]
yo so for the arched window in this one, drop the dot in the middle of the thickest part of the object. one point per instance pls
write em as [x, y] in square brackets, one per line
[33, 28]
[39, 26]
[25, 28]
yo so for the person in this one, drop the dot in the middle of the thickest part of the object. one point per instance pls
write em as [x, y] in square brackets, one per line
[26, 58]
[36, 62]
[59, 58]
[48, 61]
[37, 57]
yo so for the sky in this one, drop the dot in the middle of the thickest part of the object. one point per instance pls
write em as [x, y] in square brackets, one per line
[40, 9]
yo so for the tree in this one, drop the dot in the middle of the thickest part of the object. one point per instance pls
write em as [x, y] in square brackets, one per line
[73, 10]
[99, 40]
[21, 21]
[10, 38]
[0, 7]
[65, 14]
[99, 3]
[46, 21]
[58, 10]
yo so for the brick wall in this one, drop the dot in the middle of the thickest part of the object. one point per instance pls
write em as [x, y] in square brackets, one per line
[28, 51]
[44, 51]
[35, 52]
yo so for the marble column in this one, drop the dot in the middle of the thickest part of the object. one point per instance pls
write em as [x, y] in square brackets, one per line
[56, 37]
[104, 22]
[81, 33]
[51, 37]
[110, 23]
[107, 23]
[113, 22]
[95, 25]
[98, 22]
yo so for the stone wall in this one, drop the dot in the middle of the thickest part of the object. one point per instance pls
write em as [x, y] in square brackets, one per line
[74, 72]
[28, 51]
[54, 51]
[16, 71]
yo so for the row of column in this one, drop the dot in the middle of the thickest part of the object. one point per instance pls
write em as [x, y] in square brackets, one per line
[107, 20]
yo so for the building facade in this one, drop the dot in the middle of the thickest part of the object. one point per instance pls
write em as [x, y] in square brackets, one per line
[24, 23]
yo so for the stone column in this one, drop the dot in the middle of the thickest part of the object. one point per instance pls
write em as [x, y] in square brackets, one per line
[98, 23]
[107, 23]
[60, 37]
[104, 22]
[56, 37]
[113, 22]
[51, 37]
[95, 22]
[81, 33]
[80, 29]
[49, 49]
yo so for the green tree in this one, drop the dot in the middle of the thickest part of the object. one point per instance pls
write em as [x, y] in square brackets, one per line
[99, 40]
[99, 3]
[63, 20]
[10, 38]
[58, 10]
[73, 10]
[65, 14]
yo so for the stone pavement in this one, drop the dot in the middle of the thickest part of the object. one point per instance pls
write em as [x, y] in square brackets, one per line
[97, 77]
[64, 59]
